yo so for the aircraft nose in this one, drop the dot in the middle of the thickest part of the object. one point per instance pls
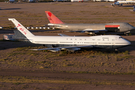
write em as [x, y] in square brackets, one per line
[131, 28]
[128, 42]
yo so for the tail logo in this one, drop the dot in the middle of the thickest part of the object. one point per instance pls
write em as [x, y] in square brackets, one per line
[49, 15]
[18, 25]
[21, 29]
[52, 18]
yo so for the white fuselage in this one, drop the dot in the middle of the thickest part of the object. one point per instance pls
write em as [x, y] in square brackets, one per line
[105, 41]
[120, 3]
[126, 2]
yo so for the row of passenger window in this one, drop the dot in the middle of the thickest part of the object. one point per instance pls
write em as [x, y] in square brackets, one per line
[82, 39]
[91, 39]
[79, 42]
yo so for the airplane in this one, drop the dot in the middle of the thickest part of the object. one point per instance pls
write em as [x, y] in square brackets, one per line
[120, 3]
[132, 9]
[11, 1]
[71, 43]
[92, 29]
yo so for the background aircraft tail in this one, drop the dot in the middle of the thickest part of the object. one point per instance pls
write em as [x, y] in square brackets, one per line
[52, 18]
[21, 28]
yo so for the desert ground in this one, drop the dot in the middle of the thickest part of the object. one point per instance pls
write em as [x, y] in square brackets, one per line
[93, 69]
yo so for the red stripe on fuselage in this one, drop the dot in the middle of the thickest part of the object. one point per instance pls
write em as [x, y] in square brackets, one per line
[112, 26]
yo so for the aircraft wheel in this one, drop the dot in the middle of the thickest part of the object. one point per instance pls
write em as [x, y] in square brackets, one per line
[116, 50]
[121, 5]
[127, 34]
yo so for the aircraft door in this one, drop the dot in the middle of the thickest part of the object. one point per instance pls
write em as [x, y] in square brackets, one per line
[105, 39]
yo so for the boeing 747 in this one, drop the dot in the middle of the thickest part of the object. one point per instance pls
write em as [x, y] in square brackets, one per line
[71, 43]
[89, 28]
[120, 3]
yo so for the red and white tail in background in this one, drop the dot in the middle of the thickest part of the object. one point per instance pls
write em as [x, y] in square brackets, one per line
[52, 18]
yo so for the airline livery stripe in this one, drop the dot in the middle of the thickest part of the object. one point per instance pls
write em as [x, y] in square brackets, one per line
[112, 26]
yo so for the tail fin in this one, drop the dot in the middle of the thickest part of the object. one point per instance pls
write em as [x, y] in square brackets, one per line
[21, 28]
[52, 18]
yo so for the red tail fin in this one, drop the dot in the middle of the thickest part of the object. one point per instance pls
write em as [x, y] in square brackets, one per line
[52, 18]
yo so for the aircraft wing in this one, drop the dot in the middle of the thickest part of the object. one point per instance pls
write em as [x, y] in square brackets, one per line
[75, 48]
[91, 30]
[50, 49]
[69, 48]
[62, 34]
